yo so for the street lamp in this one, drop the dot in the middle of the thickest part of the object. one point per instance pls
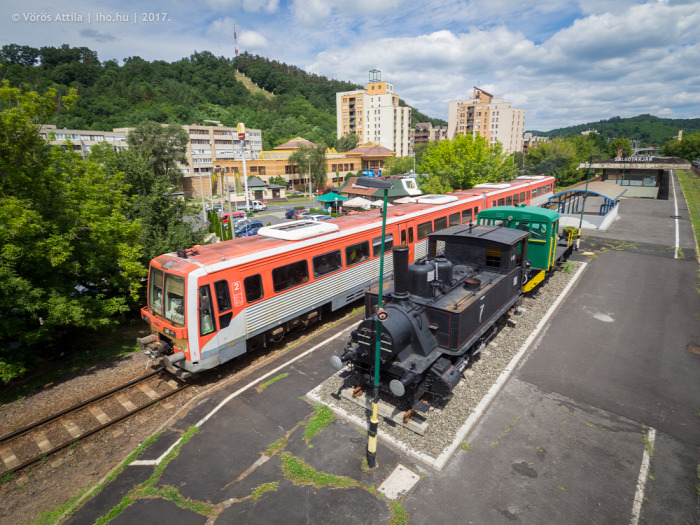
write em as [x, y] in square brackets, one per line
[585, 195]
[241, 136]
[374, 421]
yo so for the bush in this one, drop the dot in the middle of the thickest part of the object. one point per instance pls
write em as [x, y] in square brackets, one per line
[571, 231]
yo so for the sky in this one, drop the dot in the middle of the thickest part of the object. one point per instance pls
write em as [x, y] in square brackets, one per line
[565, 62]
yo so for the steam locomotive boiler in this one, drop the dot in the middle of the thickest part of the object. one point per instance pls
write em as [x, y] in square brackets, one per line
[440, 311]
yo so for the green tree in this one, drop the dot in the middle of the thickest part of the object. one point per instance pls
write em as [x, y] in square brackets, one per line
[688, 148]
[557, 158]
[70, 256]
[278, 179]
[433, 185]
[163, 146]
[617, 144]
[466, 161]
[398, 165]
[347, 142]
[311, 158]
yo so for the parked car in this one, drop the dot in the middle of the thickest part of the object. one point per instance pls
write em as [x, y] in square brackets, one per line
[289, 213]
[254, 206]
[236, 215]
[249, 233]
[246, 229]
[300, 214]
[318, 217]
[218, 207]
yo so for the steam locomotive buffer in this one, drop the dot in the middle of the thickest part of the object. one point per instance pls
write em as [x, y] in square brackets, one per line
[441, 311]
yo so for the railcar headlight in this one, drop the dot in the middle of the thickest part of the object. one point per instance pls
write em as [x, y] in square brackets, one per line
[169, 332]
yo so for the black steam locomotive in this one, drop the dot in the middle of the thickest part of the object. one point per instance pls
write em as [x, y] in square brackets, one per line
[440, 311]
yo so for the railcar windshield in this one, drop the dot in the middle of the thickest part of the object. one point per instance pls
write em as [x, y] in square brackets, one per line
[166, 296]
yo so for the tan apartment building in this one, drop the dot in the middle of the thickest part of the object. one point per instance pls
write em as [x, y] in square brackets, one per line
[487, 116]
[374, 115]
[426, 132]
[83, 140]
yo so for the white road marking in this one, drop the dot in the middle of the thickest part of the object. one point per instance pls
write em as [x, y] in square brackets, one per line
[643, 475]
[675, 204]
[239, 392]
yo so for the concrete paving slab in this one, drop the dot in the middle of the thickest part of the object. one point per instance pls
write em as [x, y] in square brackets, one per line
[399, 483]
[291, 504]
[536, 458]
[110, 496]
[157, 512]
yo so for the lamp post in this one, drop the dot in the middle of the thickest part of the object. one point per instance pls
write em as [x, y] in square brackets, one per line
[241, 136]
[374, 421]
[311, 193]
[585, 196]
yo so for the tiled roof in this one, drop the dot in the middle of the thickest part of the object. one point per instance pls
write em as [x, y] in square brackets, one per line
[371, 149]
[295, 143]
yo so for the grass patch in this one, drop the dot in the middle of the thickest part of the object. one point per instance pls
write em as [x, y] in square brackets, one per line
[301, 473]
[399, 514]
[53, 515]
[465, 445]
[691, 189]
[276, 447]
[264, 385]
[148, 486]
[647, 443]
[323, 417]
[262, 489]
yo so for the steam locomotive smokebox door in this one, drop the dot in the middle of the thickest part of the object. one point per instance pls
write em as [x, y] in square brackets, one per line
[396, 335]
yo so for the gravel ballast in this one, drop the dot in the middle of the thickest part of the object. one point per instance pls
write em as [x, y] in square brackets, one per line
[447, 422]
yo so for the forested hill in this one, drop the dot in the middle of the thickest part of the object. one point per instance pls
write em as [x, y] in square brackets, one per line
[648, 129]
[197, 88]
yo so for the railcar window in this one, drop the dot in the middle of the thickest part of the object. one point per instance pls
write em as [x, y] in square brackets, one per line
[467, 216]
[290, 275]
[454, 219]
[403, 237]
[509, 201]
[539, 231]
[223, 298]
[410, 235]
[493, 257]
[493, 203]
[440, 223]
[522, 196]
[377, 244]
[356, 253]
[528, 194]
[207, 324]
[155, 295]
[476, 211]
[175, 299]
[253, 288]
[516, 199]
[327, 263]
[501, 202]
[424, 229]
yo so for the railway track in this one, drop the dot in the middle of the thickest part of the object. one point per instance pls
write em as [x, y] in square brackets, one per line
[36, 441]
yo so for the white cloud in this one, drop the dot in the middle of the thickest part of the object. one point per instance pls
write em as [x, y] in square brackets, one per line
[269, 6]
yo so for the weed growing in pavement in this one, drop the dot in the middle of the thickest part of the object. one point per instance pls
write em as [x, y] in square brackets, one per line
[277, 446]
[465, 445]
[263, 386]
[262, 489]
[647, 443]
[323, 417]
[301, 473]
[568, 267]
[7, 476]
[400, 515]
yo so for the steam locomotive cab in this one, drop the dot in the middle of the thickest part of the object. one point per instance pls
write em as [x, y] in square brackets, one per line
[440, 311]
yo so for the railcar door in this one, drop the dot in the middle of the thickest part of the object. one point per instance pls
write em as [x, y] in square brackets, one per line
[406, 238]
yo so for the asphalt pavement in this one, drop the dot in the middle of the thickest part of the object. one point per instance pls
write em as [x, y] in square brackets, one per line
[599, 424]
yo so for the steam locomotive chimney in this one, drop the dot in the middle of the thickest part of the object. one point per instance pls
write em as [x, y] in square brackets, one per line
[401, 280]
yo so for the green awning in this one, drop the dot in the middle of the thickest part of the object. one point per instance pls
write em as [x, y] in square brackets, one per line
[330, 197]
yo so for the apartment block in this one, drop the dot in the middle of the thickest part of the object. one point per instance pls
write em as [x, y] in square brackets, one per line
[426, 132]
[490, 117]
[374, 115]
[210, 143]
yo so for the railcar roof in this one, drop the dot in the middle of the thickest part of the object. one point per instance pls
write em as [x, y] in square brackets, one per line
[211, 254]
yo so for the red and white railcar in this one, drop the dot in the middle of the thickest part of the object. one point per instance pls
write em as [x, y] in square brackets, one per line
[212, 303]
